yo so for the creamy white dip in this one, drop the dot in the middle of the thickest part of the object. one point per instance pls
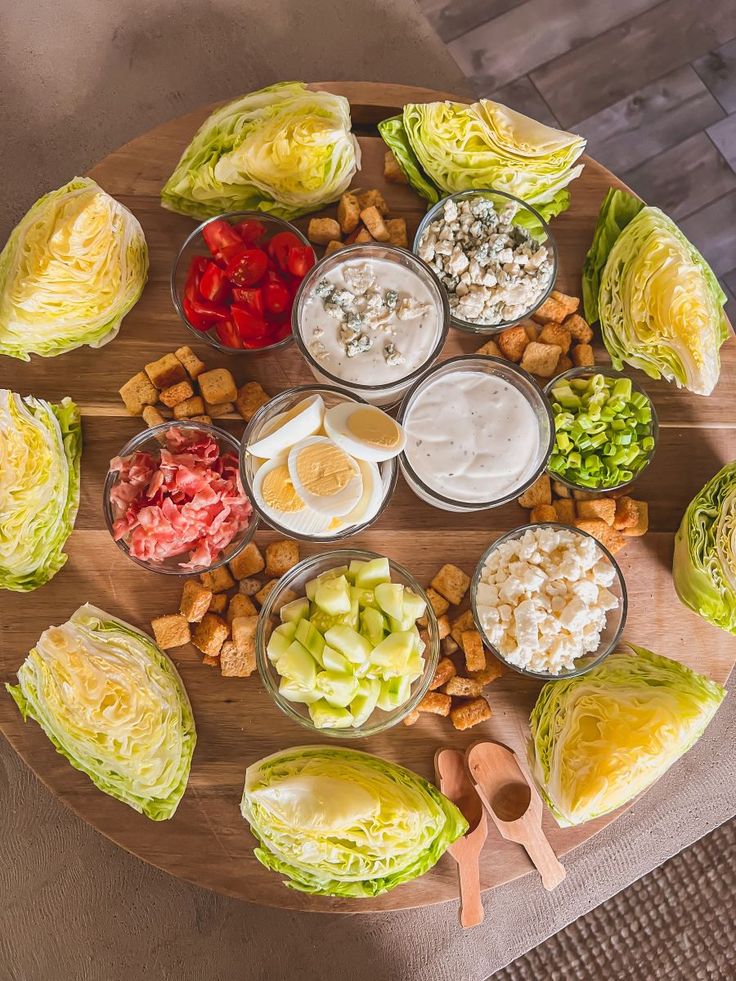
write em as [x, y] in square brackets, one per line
[471, 437]
[370, 321]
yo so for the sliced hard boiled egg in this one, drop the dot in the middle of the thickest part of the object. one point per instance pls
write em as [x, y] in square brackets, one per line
[326, 478]
[372, 496]
[288, 428]
[275, 494]
[364, 431]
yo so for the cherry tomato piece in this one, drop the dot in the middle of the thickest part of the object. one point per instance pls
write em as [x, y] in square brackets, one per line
[251, 327]
[250, 297]
[283, 331]
[251, 231]
[227, 334]
[219, 234]
[247, 267]
[213, 284]
[300, 260]
[276, 297]
[205, 310]
[279, 246]
[197, 321]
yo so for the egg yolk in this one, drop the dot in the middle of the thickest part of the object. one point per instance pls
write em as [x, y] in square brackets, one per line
[323, 469]
[279, 492]
[375, 428]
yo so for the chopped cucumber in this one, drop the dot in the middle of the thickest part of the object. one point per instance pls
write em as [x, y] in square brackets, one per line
[394, 693]
[337, 688]
[294, 611]
[333, 660]
[310, 587]
[364, 703]
[326, 716]
[277, 645]
[333, 596]
[295, 693]
[414, 606]
[354, 568]
[390, 598]
[350, 643]
[365, 597]
[372, 625]
[298, 665]
[373, 573]
[392, 653]
[308, 635]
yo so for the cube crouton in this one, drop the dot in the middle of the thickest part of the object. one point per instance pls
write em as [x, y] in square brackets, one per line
[204, 419]
[411, 718]
[251, 397]
[553, 333]
[235, 663]
[613, 540]
[210, 634]
[489, 350]
[194, 366]
[152, 417]
[219, 580]
[165, 372]
[193, 406]
[513, 342]
[556, 307]
[240, 605]
[213, 662]
[583, 495]
[469, 714]
[435, 702]
[249, 562]
[195, 600]
[264, 592]
[219, 410]
[244, 638]
[397, 234]
[138, 392]
[363, 236]
[438, 603]
[475, 655]
[443, 672]
[372, 199]
[218, 603]
[493, 669]
[322, 230]
[449, 646]
[463, 622]
[373, 221]
[642, 522]
[565, 510]
[601, 507]
[561, 490]
[452, 583]
[540, 492]
[564, 364]
[443, 626]
[627, 513]
[531, 330]
[333, 246]
[463, 687]
[541, 359]
[280, 557]
[582, 356]
[580, 329]
[217, 386]
[171, 630]
[178, 393]
[348, 214]
[249, 586]
[543, 512]
[392, 171]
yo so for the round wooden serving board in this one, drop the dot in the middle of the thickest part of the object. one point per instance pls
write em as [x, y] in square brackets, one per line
[207, 841]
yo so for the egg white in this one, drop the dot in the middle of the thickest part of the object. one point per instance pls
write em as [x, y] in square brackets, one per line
[335, 505]
[305, 521]
[286, 429]
[336, 427]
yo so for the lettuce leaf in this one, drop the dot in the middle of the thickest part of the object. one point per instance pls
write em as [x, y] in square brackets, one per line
[396, 139]
[617, 210]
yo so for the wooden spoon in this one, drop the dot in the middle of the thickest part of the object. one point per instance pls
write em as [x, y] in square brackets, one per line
[514, 805]
[454, 782]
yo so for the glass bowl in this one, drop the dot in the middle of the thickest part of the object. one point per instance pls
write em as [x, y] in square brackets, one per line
[377, 394]
[508, 372]
[545, 237]
[293, 582]
[587, 372]
[615, 619]
[151, 441]
[255, 429]
[195, 245]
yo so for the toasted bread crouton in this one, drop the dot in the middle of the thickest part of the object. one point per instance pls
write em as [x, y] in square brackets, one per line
[582, 356]
[438, 603]
[613, 540]
[240, 605]
[601, 507]
[463, 622]
[462, 687]
[195, 600]
[152, 417]
[469, 714]
[489, 350]
[193, 406]
[475, 655]
[435, 702]
[627, 513]
[392, 171]
[561, 490]
[565, 510]
[493, 669]
[373, 221]
[540, 492]
[541, 359]
[583, 495]
[363, 236]
[348, 214]
[280, 557]
[397, 234]
[263, 593]
[219, 580]
[543, 512]
[411, 718]
[244, 638]
[171, 630]
[580, 329]
[194, 366]
[556, 307]
[642, 522]
[443, 626]
[249, 562]
[218, 603]
[553, 333]
[210, 634]
[181, 392]
[322, 230]
[204, 419]
[452, 583]
[333, 246]
[564, 364]
[449, 646]
[249, 586]
[165, 372]
[531, 330]
[443, 672]
[213, 662]
[219, 410]
[138, 392]
[373, 199]
[513, 342]
[217, 386]
[251, 397]
[235, 663]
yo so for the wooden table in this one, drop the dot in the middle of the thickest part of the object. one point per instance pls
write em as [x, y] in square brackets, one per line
[207, 841]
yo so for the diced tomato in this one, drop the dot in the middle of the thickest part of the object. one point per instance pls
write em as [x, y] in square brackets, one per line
[251, 327]
[220, 234]
[247, 267]
[197, 321]
[250, 297]
[278, 247]
[251, 231]
[276, 297]
[300, 260]
[206, 310]
[227, 334]
[213, 284]
[283, 331]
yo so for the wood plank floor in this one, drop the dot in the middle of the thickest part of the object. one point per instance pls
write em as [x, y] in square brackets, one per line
[651, 85]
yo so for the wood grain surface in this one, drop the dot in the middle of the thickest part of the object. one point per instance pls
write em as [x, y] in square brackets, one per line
[207, 842]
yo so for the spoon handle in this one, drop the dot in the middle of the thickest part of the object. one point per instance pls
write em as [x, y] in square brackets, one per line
[471, 906]
[547, 863]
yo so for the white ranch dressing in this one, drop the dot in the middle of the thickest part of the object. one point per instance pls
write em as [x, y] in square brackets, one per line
[471, 437]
